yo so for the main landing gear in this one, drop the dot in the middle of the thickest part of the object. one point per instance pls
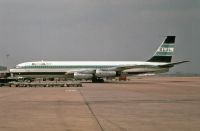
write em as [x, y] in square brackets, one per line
[97, 80]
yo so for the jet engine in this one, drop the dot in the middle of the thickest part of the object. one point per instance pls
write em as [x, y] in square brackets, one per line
[100, 73]
[80, 76]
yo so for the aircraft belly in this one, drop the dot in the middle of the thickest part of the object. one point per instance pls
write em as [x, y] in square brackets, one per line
[145, 70]
[40, 73]
[39, 76]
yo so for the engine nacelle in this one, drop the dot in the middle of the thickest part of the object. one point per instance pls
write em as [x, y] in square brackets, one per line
[80, 76]
[100, 73]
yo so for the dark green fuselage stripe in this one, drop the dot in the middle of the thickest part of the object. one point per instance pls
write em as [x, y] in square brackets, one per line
[61, 67]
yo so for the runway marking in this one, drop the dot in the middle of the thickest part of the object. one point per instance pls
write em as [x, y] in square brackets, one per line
[70, 90]
[92, 112]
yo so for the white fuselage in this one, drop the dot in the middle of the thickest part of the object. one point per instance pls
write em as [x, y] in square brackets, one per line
[61, 68]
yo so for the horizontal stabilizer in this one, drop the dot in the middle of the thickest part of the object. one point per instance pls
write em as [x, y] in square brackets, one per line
[173, 64]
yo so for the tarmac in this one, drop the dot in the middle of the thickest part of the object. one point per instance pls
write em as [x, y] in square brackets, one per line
[142, 104]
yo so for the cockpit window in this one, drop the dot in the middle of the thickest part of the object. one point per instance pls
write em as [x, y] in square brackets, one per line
[17, 66]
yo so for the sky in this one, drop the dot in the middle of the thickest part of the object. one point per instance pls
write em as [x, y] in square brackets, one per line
[108, 30]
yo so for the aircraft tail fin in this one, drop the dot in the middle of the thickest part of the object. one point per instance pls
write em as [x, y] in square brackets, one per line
[165, 51]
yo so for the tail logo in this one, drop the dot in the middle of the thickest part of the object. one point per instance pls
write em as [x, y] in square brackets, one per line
[163, 49]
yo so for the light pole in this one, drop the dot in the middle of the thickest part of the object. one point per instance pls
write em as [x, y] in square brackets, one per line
[7, 62]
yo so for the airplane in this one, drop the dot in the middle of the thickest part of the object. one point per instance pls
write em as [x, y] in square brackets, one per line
[97, 71]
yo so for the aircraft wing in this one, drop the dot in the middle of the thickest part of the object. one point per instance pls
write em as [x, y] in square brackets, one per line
[117, 68]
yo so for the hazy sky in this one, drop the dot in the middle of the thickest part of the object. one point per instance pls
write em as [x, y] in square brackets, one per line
[98, 30]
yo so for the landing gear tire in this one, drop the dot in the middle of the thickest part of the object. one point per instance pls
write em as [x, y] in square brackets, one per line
[97, 80]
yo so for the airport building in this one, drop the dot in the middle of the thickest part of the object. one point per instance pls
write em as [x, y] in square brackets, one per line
[3, 68]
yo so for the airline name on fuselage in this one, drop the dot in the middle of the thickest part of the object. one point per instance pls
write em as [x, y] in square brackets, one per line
[40, 64]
